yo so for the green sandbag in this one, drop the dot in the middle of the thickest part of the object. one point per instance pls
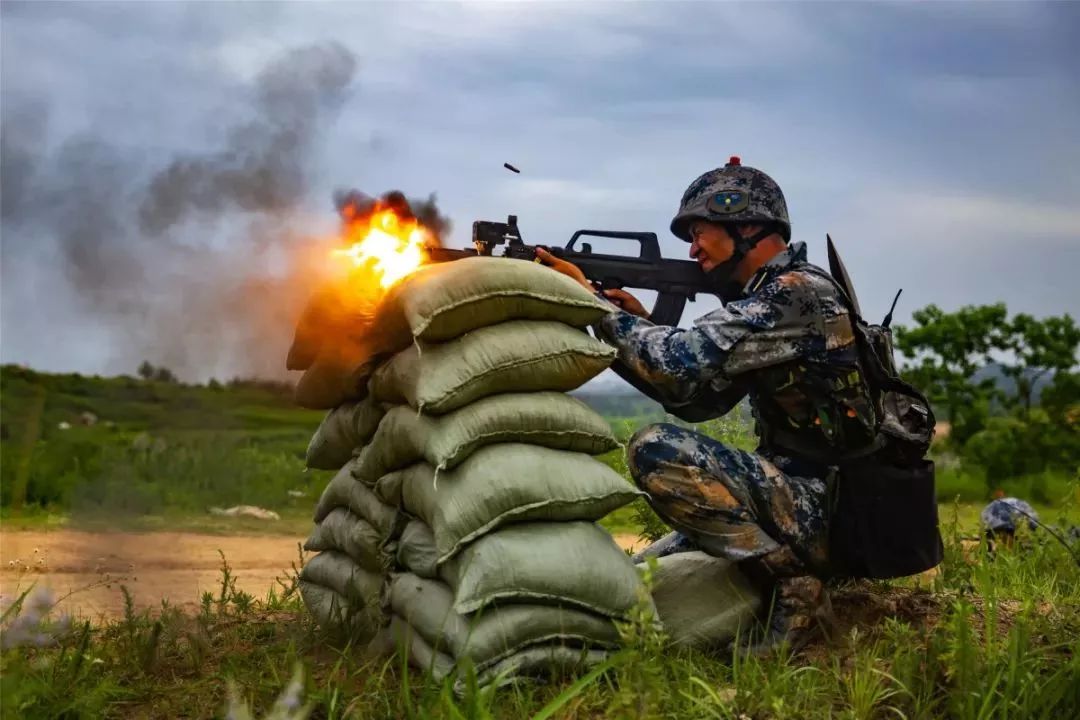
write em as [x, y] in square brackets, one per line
[446, 300]
[340, 573]
[510, 483]
[352, 535]
[536, 661]
[334, 613]
[549, 419]
[433, 664]
[416, 550]
[343, 430]
[345, 491]
[703, 601]
[516, 356]
[572, 564]
[494, 633]
[388, 487]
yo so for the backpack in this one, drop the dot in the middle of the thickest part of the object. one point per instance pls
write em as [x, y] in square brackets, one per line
[883, 514]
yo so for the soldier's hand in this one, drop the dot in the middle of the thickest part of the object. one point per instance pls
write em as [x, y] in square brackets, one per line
[626, 302]
[568, 269]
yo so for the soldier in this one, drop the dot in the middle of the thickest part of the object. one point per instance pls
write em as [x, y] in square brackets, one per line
[784, 337]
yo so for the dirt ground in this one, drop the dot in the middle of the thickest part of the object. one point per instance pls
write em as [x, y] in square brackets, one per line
[86, 569]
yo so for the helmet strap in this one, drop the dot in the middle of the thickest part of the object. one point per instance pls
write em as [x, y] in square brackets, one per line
[722, 276]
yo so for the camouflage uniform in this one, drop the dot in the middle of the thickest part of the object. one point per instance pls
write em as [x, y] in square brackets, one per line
[790, 327]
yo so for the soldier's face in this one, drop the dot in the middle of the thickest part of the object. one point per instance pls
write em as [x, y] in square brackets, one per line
[710, 244]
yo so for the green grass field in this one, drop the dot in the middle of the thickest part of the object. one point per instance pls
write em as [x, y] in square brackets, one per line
[986, 637]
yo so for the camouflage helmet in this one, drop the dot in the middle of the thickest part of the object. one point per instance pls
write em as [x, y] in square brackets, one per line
[732, 194]
[1006, 514]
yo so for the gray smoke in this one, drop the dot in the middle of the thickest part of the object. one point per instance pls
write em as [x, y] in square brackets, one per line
[198, 264]
[263, 164]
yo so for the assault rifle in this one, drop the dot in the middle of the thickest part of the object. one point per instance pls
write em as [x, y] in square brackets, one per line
[675, 281]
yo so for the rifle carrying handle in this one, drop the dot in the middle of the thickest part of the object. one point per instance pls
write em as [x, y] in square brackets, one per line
[649, 245]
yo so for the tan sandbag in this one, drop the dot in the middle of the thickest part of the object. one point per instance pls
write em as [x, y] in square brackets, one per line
[352, 535]
[516, 356]
[703, 601]
[344, 430]
[346, 491]
[339, 374]
[446, 300]
[510, 483]
[545, 419]
[339, 312]
[573, 564]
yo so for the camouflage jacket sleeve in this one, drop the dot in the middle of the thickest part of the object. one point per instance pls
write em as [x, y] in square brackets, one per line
[789, 316]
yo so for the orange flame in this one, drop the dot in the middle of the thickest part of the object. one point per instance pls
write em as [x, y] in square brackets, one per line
[388, 245]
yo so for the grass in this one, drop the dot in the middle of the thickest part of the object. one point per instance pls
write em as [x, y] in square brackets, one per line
[990, 636]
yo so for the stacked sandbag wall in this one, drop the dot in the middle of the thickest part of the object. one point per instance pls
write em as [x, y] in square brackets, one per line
[472, 504]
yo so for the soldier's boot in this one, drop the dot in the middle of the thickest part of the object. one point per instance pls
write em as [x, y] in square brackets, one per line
[798, 609]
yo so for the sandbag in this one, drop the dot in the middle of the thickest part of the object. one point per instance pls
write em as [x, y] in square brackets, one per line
[344, 429]
[535, 661]
[442, 301]
[335, 315]
[352, 535]
[572, 564]
[703, 601]
[388, 487]
[335, 613]
[341, 371]
[340, 573]
[543, 418]
[416, 550]
[510, 483]
[494, 633]
[434, 664]
[516, 356]
[345, 491]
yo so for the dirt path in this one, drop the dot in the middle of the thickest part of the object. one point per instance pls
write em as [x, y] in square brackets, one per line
[177, 566]
[173, 565]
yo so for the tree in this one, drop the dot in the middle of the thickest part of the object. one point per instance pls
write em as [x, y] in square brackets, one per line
[146, 370]
[946, 349]
[1038, 347]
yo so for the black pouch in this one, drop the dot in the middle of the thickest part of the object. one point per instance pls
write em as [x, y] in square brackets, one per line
[884, 520]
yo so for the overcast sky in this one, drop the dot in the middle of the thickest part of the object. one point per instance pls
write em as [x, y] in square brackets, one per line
[936, 142]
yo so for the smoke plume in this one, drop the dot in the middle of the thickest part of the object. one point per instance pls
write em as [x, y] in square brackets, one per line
[201, 264]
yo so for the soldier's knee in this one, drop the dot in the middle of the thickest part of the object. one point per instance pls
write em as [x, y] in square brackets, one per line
[648, 447]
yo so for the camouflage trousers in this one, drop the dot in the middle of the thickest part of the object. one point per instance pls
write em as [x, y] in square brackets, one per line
[731, 503]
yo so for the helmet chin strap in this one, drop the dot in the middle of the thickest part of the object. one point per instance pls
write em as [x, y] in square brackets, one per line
[722, 277]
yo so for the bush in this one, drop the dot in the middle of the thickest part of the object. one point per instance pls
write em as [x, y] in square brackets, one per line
[1017, 446]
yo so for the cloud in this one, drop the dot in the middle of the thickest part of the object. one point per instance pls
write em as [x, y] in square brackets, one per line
[1003, 218]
